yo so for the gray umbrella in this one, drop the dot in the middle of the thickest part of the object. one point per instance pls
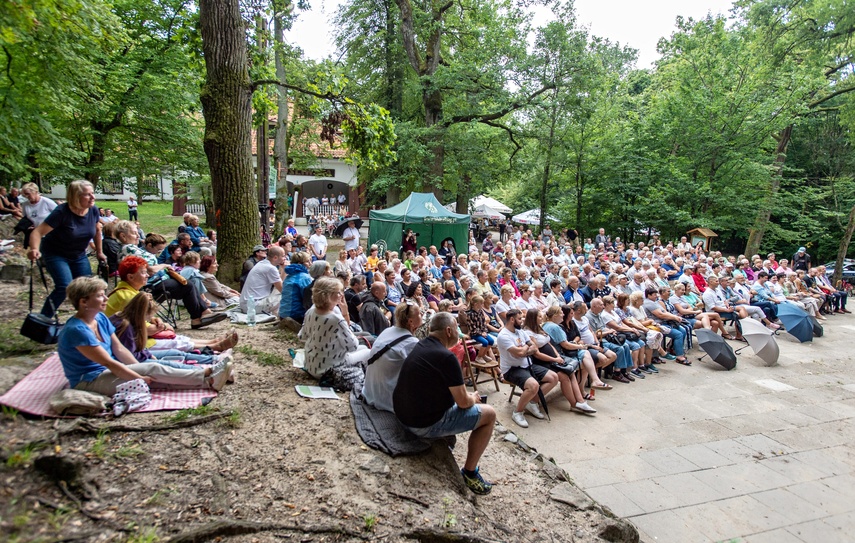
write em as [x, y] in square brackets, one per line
[716, 347]
[761, 340]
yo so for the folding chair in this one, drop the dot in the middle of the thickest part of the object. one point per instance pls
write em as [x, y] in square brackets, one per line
[473, 368]
[168, 310]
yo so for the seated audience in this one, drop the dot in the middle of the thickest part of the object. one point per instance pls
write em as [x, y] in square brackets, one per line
[218, 293]
[94, 359]
[388, 353]
[264, 284]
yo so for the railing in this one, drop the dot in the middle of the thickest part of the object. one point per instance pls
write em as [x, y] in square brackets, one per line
[325, 210]
[196, 209]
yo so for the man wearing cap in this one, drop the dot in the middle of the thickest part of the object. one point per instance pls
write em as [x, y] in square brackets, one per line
[801, 260]
[350, 236]
[259, 253]
[318, 244]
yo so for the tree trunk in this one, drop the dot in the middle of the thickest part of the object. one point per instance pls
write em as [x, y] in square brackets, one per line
[433, 116]
[262, 156]
[393, 195]
[761, 222]
[280, 149]
[35, 171]
[544, 189]
[226, 103]
[462, 200]
[844, 247]
[92, 170]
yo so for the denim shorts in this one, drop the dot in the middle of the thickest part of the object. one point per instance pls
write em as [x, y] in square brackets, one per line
[454, 421]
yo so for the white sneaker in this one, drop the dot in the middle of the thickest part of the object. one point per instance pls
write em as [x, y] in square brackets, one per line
[534, 409]
[221, 375]
[519, 418]
[585, 408]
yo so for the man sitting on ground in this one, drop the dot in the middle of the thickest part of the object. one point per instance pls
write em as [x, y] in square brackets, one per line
[264, 283]
[388, 353]
[515, 350]
[430, 398]
[373, 315]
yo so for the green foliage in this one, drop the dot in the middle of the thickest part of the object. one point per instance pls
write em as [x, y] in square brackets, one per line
[99, 446]
[13, 343]
[143, 535]
[369, 522]
[22, 457]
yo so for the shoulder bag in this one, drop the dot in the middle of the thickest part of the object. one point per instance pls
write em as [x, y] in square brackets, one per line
[36, 326]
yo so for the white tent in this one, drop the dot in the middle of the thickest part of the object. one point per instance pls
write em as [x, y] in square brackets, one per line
[486, 212]
[490, 202]
[532, 216]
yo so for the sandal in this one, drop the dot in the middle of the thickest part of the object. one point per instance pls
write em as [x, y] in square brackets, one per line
[684, 362]
[603, 386]
[727, 336]
[589, 397]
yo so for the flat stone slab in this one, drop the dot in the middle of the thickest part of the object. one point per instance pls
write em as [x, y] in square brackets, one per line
[572, 496]
[772, 384]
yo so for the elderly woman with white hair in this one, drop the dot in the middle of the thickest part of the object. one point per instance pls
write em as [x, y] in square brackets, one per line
[332, 350]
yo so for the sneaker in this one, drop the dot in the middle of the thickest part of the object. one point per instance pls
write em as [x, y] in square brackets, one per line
[219, 377]
[290, 324]
[645, 369]
[534, 409]
[669, 356]
[773, 326]
[637, 372]
[651, 368]
[585, 408]
[519, 418]
[476, 483]
[220, 361]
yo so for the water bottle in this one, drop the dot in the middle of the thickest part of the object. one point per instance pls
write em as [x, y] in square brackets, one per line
[250, 311]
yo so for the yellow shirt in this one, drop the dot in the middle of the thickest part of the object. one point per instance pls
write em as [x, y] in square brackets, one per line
[119, 298]
[372, 263]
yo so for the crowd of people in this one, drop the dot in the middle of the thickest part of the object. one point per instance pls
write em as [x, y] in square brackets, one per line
[544, 310]
[115, 335]
[548, 310]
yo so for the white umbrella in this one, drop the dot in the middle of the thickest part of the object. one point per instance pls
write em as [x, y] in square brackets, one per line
[532, 216]
[486, 212]
[491, 202]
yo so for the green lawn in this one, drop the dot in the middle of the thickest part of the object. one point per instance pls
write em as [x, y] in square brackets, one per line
[157, 217]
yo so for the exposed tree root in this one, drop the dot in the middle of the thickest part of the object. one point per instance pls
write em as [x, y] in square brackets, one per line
[82, 426]
[225, 528]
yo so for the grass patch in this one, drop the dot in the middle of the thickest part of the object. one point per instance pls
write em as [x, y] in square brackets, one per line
[262, 357]
[9, 413]
[233, 420]
[13, 343]
[144, 535]
[157, 217]
[99, 446]
[128, 451]
[23, 456]
[158, 497]
[185, 414]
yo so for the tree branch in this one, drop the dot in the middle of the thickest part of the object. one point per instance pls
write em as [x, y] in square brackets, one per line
[335, 98]
[830, 96]
[511, 135]
[502, 112]
[8, 65]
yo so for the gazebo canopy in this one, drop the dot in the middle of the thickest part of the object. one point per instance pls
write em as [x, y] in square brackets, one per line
[532, 216]
[422, 213]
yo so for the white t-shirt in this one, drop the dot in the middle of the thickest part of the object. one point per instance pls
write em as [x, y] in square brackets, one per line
[502, 307]
[507, 339]
[259, 282]
[132, 204]
[318, 243]
[350, 243]
[588, 337]
[39, 211]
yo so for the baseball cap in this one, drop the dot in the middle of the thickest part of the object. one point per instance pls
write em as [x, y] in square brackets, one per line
[801, 249]
[444, 269]
[259, 248]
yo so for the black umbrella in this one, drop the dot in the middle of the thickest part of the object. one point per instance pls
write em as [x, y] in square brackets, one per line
[540, 394]
[340, 227]
[817, 327]
[716, 347]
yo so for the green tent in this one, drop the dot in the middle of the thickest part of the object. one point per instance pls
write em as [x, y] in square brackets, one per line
[426, 216]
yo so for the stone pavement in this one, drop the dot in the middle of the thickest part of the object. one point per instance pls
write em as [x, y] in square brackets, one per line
[757, 454]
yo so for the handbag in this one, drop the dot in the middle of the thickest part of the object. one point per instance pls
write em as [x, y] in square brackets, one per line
[36, 326]
[617, 339]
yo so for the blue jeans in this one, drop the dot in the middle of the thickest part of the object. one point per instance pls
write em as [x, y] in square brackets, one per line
[200, 358]
[679, 337]
[624, 356]
[63, 270]
[483, 341]
[454, 421]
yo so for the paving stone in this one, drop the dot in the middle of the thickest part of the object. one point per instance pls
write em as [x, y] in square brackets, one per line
[793, 468]
[750, 515]
[779, 535]
[822, 497]
[667, 527]
[615, 500]
[728, 481]
[843, 485]
[732, 449]
[818, 530]
[648, 495]
[668, 461]
[773, 385]
[822, 461]
[763, 445]
[686, 489]
[790, 504]
[844, 522]
[708, 519]
[702, 456]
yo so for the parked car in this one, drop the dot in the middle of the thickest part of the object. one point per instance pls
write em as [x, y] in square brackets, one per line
[848, 269]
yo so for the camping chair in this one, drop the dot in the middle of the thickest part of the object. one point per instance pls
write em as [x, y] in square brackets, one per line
[168, 311]
[473, 368]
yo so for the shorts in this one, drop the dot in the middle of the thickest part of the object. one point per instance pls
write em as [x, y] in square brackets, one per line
[518, 376]
[454, 421]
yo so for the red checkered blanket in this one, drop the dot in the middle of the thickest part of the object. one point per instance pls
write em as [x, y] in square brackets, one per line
[32, 394]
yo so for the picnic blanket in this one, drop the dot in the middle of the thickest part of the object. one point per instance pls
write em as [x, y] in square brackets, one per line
[383, 431]
[32, 394]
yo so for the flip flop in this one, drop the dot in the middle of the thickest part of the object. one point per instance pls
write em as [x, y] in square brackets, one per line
[604, 386]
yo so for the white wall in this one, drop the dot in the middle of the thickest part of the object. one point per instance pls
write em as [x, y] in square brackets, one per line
[164, 185]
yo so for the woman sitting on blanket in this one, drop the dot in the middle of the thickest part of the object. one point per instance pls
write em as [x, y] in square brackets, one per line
[94, 359]
[217, 292]
[132, 324]
[133, 272]
[330, 344]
